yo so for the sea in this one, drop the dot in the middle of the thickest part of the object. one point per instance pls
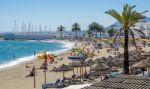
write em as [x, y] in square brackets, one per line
[15, 52]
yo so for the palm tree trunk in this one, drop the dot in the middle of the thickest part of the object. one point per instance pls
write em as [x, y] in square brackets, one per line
[100, 34]
[96, 34]
[45, 75]
[76, 34]
[126, 56]
[61, 33]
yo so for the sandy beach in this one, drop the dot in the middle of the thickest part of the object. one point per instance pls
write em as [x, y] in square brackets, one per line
[14, 77]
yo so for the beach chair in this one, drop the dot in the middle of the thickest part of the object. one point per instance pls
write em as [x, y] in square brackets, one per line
[51, 85]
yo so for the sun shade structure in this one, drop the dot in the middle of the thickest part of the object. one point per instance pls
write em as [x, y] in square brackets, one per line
[122, 82]
[63, 68]
[90, 62]
[100, 60]
[99, 67]
[142, 64]
[74, 64]
[145, 54]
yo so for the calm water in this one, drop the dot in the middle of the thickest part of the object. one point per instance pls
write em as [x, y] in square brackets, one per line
[24, 48]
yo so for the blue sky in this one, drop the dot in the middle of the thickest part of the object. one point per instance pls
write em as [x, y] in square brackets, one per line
[62, 12]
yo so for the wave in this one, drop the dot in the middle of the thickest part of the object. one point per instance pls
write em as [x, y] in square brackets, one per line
[66, 46]
[17, 61]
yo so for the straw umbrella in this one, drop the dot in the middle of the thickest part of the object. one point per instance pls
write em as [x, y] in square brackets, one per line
[101, 67]
[133, 59]
[74, 65]
[115, 62]
[90, 62]
[142, 64]
[100, 60]
[81, 65]
[109, 58]
[63, 68]
[146, 54]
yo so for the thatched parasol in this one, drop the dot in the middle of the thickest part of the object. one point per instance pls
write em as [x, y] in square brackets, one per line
[63, 68]
[75, 65]
[116, 62]
[141, 64]
[90, 62]
[100, 60]
[145, 54]
[83, 64]
[100, 67]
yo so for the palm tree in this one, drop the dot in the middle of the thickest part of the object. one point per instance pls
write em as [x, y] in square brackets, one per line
[96, 27]
[111, 32]
[127, 19]
[61, 29]
[101, 30]
[89, 33]
[76, 28]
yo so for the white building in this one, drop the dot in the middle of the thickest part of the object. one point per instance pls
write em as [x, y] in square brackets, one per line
[142, 25]
[145, 27]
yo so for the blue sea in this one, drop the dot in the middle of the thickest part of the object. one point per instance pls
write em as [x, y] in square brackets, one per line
[14, 52]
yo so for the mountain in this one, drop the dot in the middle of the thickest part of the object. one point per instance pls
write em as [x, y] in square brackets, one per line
[118, 25]
[147, 19]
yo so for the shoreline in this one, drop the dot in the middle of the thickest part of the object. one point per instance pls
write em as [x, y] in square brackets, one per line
[67, 45]
[15, 77]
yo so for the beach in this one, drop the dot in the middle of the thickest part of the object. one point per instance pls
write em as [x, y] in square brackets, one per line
[14, 77]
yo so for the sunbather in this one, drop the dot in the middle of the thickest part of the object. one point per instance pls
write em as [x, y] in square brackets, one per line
[32, 73]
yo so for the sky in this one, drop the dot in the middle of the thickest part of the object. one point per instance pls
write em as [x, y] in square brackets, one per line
[53, 13]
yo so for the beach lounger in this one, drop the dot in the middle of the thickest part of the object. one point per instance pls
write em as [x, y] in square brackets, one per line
[51, 85]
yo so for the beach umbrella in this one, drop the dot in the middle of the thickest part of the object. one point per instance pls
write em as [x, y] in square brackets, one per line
[109, 58]
[133, 59]
[82, 64]
[145, 54]
[115, 62]
[99, 67]
[74, 65]
[100, 60]
[90, 62]
[63, 68]
[141, 64]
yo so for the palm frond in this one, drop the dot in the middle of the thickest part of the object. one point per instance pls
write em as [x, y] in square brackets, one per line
[117, 34]
[141, 33]
[114, 14]
[133, 38]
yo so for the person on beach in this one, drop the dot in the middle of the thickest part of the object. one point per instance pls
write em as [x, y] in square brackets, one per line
[97, 51]
[61, 58]
[34, 53]
[14, 56]
[32, 72]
